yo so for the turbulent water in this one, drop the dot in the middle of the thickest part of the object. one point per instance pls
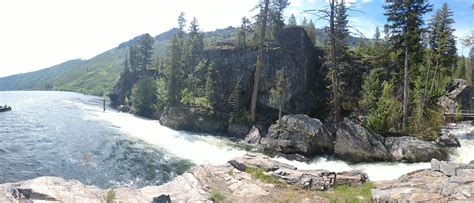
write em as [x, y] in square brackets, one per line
[69, 135]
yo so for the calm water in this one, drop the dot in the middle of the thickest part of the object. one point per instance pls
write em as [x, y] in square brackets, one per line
[68, 135]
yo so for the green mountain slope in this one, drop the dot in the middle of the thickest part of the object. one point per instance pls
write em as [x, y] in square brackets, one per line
[38, 80]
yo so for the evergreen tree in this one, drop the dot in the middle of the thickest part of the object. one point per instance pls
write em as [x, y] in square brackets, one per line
[292, 20]
[311, 30]
[443, 44]
[304, 22]
[181, 25]
[279, 92]
[404, 24]
[243, 30]
[194, 46]
[262, 17]
[145, 52]
[276, 20]
[173, 68]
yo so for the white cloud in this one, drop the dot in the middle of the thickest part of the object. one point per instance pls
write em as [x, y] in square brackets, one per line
[366, 1]
[38, 34]
[362, 25]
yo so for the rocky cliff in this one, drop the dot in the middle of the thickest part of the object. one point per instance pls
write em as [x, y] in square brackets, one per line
[292, 52]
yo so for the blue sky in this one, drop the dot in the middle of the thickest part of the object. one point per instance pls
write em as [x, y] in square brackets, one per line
[54, 31]
[369, 14]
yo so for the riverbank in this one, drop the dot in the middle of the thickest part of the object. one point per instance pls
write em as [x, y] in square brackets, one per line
[257, 177]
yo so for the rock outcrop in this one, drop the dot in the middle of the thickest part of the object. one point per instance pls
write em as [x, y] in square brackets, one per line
[354, 143]
[448, 140]
[459, 96]
[181, 118]
[308, 179]
[409, 149]
[444, 182]
[253, 137]
[298, 134]
[204, 183]
[292, 52]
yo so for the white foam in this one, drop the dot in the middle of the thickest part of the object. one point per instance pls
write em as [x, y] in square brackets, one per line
[197, 148]
[215, 150]
[375, 171]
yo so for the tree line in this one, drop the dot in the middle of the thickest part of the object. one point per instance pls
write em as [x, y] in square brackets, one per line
[392, 80]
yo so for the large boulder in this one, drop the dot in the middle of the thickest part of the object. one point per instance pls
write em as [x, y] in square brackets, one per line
[253, 137]
[354, 143]
[444, 182]
[409, 149]
[458, 97]
[298, 134]
[181, 118]
[448, 140]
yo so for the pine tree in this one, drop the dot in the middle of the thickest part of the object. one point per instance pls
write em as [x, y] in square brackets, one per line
[145, 52]
[404, 24]
[258, 66]
[243, 32]
[304, 22]
[181, 25]
[443, 44]
[292, 20]
[173, 66]
[276, 20]
[311, 30]
[279, 92]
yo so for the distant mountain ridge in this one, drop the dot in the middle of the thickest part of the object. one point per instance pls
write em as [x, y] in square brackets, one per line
[98, 75]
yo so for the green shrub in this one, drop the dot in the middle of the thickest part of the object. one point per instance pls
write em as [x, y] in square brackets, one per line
[259, 174]
[240, 118]
[344, 193]
[110, 196]
[217, 195]
[387, 112]
[144, 98]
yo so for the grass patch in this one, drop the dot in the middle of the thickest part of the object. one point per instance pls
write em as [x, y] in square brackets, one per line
[217, 195]
[259, 174]
[110, 196]
[344, 193]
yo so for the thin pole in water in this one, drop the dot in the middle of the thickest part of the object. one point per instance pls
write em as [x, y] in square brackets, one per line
[104, 105]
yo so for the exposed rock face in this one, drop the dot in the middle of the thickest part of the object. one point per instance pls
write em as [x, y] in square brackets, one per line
[181, 118]
[458, 96]
[293, 53]
[230, 180]
[409, 149]
[238, 130]
[448, 140]
[54, 189]
[123, 88]
[354, 143]
[298, 134]
[309, 179]
[253, 137]
[429, 185]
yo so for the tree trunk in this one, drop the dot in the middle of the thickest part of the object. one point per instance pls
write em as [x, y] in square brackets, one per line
[405, 91]
[258, 67]
[335, 73]
[280, 107]
[425, 91]
[434, 77]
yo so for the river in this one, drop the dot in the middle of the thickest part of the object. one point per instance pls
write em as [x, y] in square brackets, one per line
[69, 135]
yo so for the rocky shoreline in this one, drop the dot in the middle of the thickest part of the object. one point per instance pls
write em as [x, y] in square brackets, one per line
[256, 177]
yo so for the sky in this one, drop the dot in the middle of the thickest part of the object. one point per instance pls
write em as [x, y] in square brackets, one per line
[39, 34]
